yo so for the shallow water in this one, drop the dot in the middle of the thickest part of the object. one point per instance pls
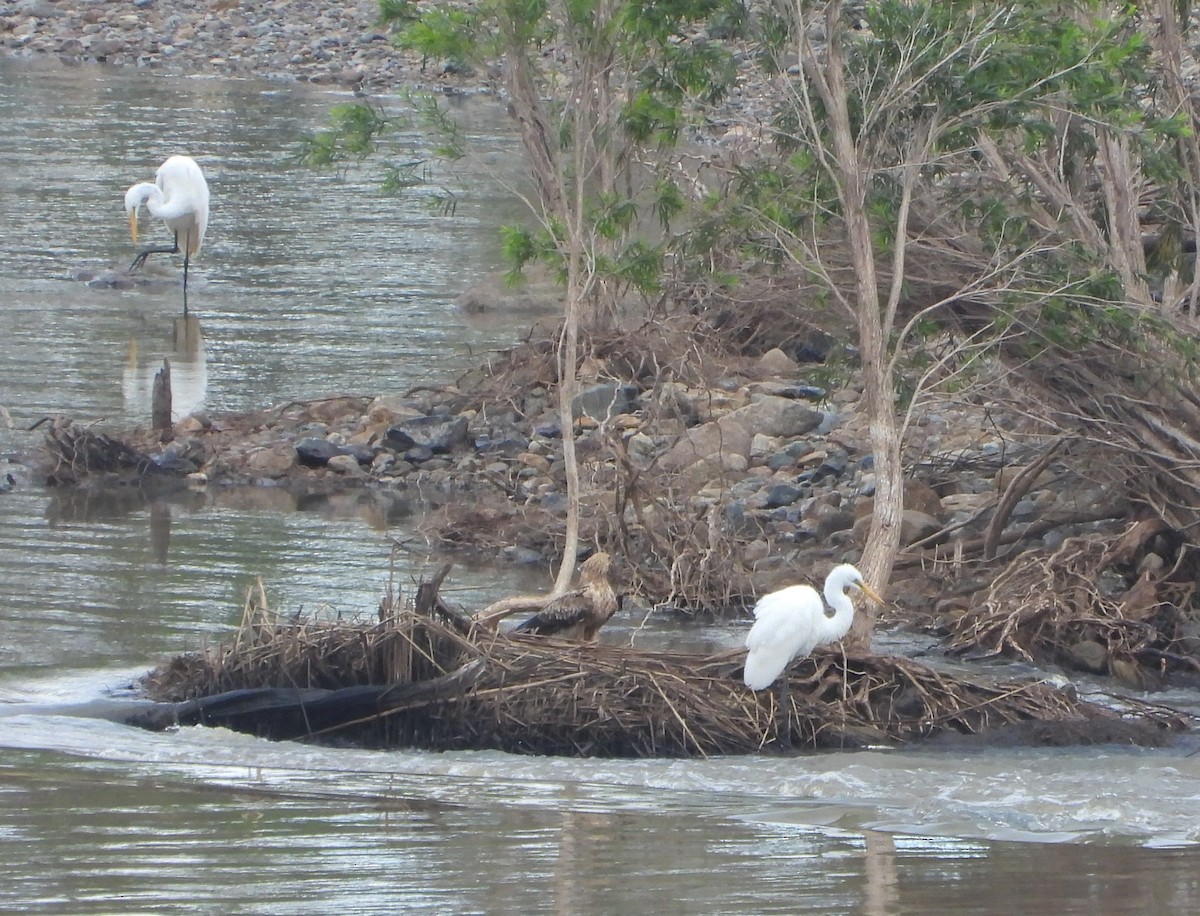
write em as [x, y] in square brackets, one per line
[308, 284]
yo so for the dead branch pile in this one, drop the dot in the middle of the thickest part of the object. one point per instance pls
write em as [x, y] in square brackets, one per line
[78, 452]
[431, 678]
[1093, 605]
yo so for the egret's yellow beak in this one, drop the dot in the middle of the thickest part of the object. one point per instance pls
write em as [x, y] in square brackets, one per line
[133, 225]
[870, 592]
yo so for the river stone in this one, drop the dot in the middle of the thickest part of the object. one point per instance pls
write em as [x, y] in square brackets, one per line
[780, 461]
[784, 494]
[715, 439]
[776, 362]
[833, 465]
[42, 9]
[345, 464]
[439, 434]
[175, 459]
[604, 401]
[361, 453]
[642, 447]
[508, 443]
[418, 454]
[1089, 655]
[830, 520]
[915, 525]
[771, 415]
[315, 453]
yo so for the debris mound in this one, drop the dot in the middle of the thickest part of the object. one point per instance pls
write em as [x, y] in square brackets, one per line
[433, 677]
[1094, 604]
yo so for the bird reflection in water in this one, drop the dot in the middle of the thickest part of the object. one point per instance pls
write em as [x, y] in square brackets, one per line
[189, 373]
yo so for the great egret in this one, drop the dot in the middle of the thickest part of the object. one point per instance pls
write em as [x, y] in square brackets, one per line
[581, 612]
[179, 197]
[791, 622]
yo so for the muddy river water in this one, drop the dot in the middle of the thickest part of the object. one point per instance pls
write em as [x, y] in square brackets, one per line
[313, 283]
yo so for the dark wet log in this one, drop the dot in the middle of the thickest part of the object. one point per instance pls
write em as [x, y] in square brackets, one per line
[289, 713]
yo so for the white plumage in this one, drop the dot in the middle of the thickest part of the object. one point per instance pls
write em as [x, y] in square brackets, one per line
[791, 622]
[179, 197]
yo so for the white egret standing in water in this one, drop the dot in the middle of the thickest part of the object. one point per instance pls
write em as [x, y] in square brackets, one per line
[791, 622]
[179, 197]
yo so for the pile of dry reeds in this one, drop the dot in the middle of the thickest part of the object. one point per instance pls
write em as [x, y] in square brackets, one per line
[431, 677]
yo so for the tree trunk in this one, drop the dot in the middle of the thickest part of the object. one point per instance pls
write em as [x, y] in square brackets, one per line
[883, 540]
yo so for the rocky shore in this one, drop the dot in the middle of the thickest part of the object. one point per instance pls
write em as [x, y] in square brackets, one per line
[785, 465]
[333, 44]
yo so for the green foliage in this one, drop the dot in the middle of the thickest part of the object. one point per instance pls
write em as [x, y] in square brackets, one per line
[640, 265]
[443, 34]
[647, 118]
[352, 135]
[397, 11]
[668, 202]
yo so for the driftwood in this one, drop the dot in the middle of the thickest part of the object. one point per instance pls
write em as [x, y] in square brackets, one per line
[431, 677]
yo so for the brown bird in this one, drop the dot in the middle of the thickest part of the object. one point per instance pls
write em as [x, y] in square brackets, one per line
[581, 612]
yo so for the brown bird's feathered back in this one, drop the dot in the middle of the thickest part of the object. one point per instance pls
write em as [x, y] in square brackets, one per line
[581, 612]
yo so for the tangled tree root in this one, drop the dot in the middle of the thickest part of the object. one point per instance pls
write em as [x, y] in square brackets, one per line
[79, 452]
[433, 678]
[1093, 605]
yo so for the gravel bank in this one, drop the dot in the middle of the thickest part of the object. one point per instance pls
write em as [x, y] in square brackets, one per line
[290, 40]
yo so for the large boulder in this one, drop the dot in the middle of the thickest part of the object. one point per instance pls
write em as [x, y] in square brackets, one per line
[715, 442]
[771, 415]
[438, 434]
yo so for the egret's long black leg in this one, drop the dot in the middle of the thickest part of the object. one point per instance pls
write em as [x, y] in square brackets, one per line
[185, 272]
[785, 706]
[146, 252]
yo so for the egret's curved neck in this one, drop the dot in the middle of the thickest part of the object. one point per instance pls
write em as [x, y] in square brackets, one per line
[835, 627]
[159, 204]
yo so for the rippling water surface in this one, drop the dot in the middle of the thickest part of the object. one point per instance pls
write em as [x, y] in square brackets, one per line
[308, 284]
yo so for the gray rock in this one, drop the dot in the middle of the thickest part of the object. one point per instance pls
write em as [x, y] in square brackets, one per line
[439, 434]
[345, 464]
[716, 439]
[781, 460]
[315, 453]
[42, 9]
[783, 494]
[509, 443]
[771, 415]
[526, 556]
[418, 454]
[915, 525]
[361, 453]
[1089, 655]
[834, 466]
[604, 401]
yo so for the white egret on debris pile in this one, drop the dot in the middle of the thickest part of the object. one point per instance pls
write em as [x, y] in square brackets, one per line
[791, 622]
[179, 197]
